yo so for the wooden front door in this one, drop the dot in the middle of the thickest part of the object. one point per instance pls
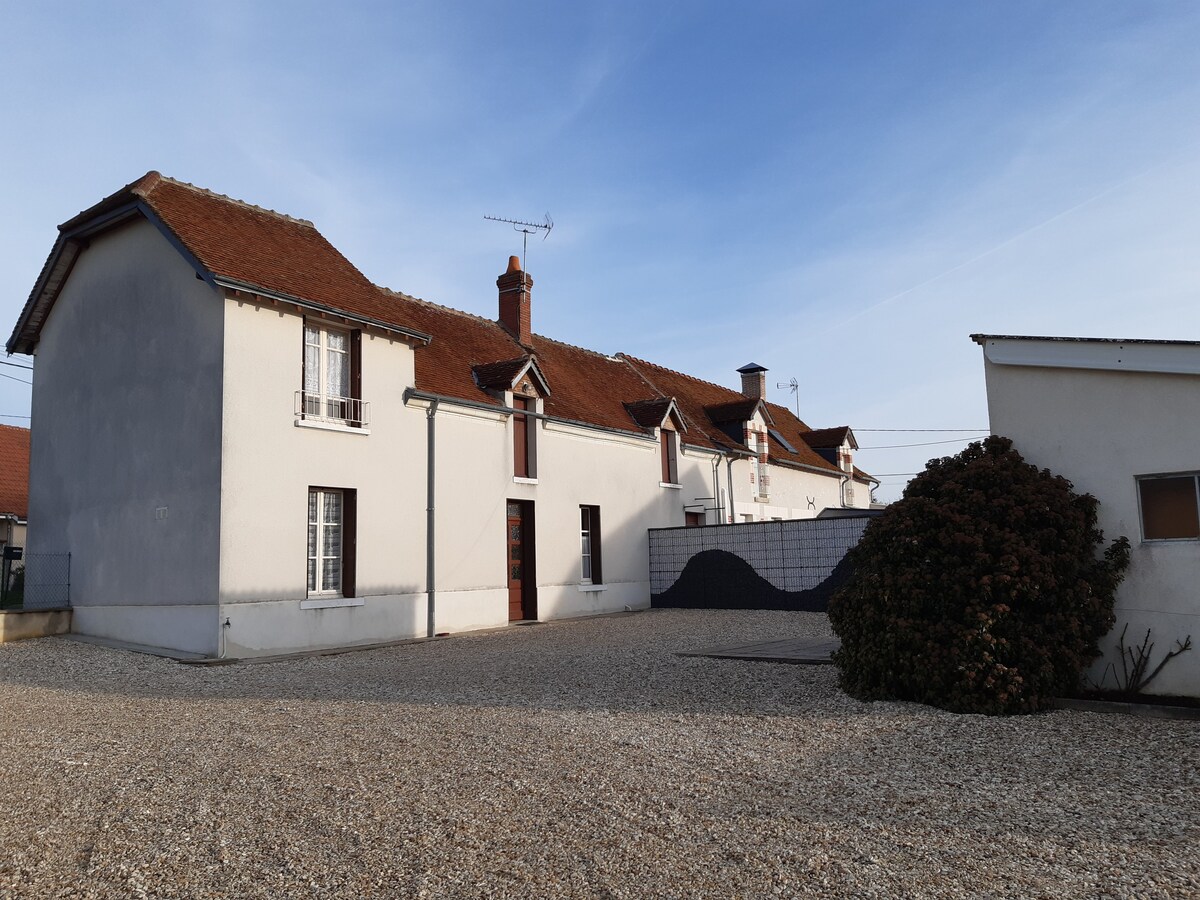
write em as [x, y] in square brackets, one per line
[519, 545]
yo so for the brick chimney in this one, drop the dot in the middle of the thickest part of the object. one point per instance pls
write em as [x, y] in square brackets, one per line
[754, 380]
[515, 288]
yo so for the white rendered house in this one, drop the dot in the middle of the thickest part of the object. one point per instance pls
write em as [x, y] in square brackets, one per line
[248, 448]
[1121, 420]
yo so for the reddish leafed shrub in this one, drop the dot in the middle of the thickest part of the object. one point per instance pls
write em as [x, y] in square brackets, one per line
[980, 590]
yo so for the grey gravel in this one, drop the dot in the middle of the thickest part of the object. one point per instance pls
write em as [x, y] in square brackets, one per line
[577, 759]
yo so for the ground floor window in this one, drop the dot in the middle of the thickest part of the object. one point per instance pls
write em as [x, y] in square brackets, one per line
[1170, 506]
[331, 541]
[589, 541]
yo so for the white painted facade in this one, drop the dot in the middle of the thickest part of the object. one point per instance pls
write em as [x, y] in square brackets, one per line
[169, 459]
[1102, 414]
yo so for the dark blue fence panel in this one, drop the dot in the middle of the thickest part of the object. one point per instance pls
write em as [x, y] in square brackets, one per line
[795, 564]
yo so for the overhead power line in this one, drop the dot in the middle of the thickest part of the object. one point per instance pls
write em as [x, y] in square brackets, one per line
[906, 430]
[922, 444]
[15, 365]
[15, 378]
[11, 416]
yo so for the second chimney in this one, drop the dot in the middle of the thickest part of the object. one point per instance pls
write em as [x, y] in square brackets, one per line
[754, 380]
[515, 287]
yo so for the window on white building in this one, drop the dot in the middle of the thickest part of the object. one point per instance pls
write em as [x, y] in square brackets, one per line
[332, 376]
[589, 542]
[1170, 506]
[331, 541]
[669, 442]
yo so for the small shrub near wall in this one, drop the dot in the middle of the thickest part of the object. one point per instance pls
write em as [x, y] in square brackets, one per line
[981, 590]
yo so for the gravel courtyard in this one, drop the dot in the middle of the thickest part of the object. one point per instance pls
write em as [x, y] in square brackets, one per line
[578, 759]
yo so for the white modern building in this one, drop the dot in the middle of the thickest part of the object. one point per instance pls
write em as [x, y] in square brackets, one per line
[248, 448]
[1121, 420]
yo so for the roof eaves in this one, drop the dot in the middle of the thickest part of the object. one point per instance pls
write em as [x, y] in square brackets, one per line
[235, 285]
[72, 240]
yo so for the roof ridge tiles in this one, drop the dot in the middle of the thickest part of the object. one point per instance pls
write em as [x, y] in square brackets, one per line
[635, 359]
[159, 177]
[450, 309]
[605, 356]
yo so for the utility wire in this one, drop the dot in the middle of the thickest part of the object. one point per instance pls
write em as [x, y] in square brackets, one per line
[922, 444]
[906, 430]
[15, 365]
[15, 378]
[11, 416]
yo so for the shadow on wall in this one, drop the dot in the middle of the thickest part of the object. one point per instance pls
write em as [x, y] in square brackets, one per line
[718, 579]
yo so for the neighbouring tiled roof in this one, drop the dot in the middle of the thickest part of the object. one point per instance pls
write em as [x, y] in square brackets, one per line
[14, 471]
[248, 245]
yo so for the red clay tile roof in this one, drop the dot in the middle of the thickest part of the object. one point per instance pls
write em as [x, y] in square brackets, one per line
[14, 471]
[694, 397]
[247, 245]
[588, 386]
[252, 245]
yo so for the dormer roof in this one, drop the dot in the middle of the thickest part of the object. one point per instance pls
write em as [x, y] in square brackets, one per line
[505, 375]
[829, 438]
[653, 413]
[738, 411]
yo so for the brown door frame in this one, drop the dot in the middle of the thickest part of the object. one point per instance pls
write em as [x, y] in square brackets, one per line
[528, 557]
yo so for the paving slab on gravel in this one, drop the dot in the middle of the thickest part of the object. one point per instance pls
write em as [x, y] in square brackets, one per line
[579, 759]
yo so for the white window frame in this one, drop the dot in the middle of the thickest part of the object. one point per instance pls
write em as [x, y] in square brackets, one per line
[318, 401]
[589, 546]
[671, 438]
[315, 583]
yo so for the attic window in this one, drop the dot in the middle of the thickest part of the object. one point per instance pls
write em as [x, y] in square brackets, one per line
[669, 442]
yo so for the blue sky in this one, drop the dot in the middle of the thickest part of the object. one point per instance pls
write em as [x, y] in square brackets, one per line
[840, 192]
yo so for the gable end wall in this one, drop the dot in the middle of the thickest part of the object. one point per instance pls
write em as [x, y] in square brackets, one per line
[126, 441]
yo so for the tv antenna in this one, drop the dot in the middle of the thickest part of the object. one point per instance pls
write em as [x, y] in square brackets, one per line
[794, 387]
[526, 229]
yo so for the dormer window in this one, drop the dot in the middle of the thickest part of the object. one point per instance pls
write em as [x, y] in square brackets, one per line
[524, 430]
[757, 442]
[669, 447]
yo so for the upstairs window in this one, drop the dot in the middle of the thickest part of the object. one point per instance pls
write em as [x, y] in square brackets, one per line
[589, 542]
[758, 466]
[332, 376]
[1170, 507]
[669, 441]
[524, 437]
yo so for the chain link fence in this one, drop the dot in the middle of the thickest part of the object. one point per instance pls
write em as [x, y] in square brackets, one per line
[47, 581]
